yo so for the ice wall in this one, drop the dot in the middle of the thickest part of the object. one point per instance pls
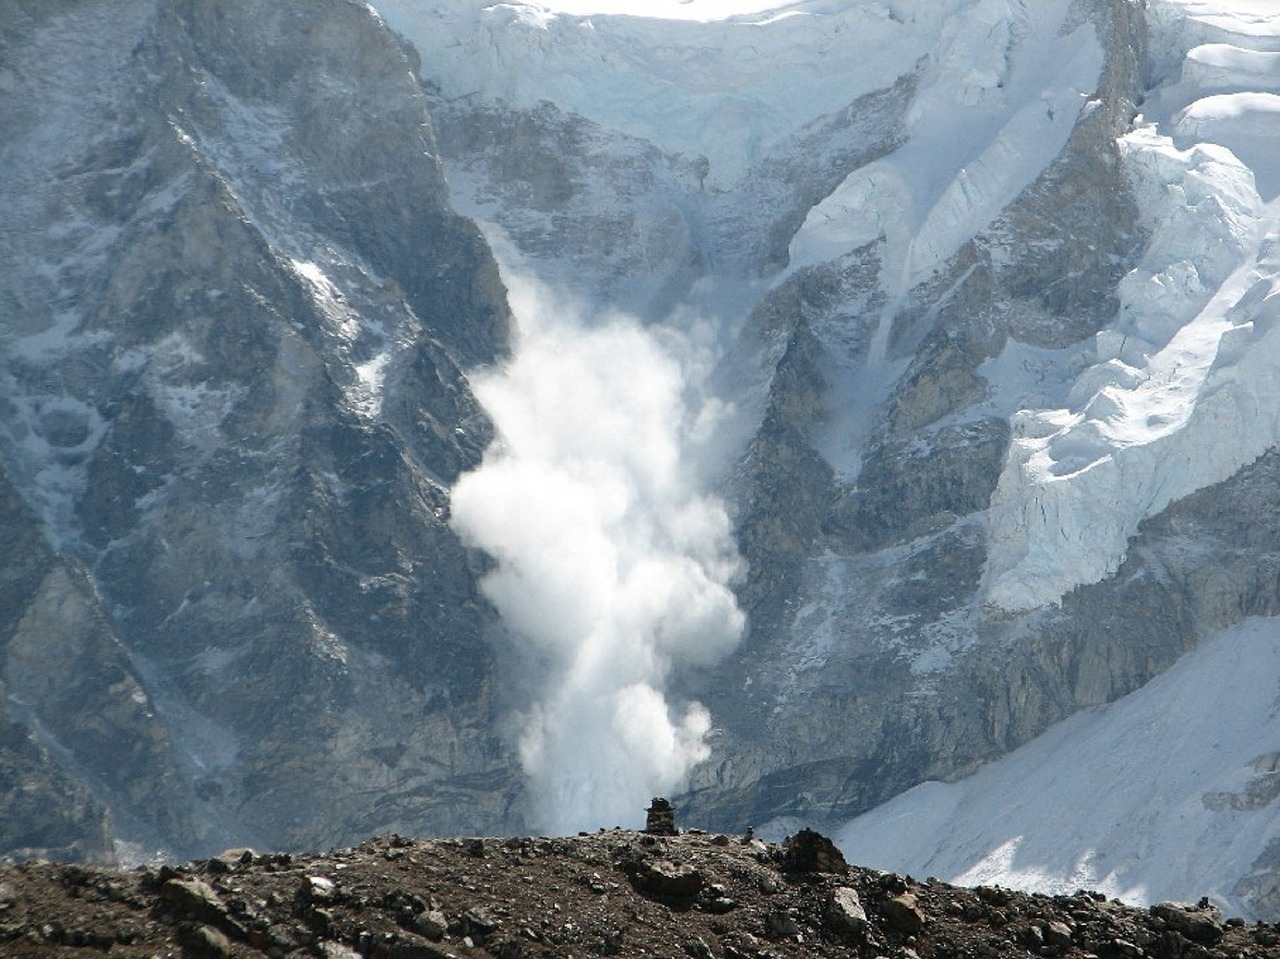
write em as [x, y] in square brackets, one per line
[1184, 389]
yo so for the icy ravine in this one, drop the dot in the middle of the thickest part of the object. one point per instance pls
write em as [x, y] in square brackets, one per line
[996, 89]
[1183, 392]
[1145, 799]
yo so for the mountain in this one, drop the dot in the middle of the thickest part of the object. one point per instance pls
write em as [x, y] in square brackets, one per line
[464, 417]
[234, 403]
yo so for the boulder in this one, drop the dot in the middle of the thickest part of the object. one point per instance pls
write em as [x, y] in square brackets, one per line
[1199, 923]
[904, 913]
[809, 851]
[845, 912]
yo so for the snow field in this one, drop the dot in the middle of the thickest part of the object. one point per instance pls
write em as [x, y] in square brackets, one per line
[1143, 799]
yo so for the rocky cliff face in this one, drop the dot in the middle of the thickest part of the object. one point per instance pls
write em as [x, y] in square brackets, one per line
[235, 314]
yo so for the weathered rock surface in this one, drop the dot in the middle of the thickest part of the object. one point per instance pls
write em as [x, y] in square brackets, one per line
[542, 897]
[233, 403]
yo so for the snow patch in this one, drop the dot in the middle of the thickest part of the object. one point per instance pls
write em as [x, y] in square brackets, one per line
[358, 336]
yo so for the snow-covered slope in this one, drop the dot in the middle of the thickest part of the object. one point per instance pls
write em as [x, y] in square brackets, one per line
[1169, 793]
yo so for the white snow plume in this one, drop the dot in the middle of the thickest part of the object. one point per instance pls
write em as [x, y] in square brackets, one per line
[612, 565]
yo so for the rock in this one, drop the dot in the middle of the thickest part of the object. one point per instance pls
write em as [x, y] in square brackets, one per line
[479, 922]
[780, 924]
[993, 895]
[697, 948]
[318, 889]
[1121, 949]
[407, 947]
[1200, 923]
[716, 900]
[432, 924]
[238, 856]
[903, 913]
[195, 898]
[809, 851]
[740, 945]
[845, 912]
[209, 942]
[667, 880]
[1057, 935]
[336, 950]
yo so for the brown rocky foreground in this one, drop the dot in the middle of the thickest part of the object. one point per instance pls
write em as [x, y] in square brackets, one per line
[618, 893]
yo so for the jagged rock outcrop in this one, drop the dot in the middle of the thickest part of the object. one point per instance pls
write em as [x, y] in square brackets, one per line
[233, 334]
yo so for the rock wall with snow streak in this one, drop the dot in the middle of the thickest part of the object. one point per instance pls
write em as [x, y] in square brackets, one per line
[235, 309]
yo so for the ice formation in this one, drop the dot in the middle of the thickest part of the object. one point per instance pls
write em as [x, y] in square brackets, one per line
[1183, 392]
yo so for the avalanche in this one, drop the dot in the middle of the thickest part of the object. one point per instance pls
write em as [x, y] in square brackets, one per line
[1177, 392]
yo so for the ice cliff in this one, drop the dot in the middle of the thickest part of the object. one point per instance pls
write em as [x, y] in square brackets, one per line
[1180, 391]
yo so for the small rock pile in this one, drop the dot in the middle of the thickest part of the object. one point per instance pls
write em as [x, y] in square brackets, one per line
[620, 893]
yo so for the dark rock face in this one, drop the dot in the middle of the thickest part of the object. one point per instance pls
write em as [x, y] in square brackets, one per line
[233, 403]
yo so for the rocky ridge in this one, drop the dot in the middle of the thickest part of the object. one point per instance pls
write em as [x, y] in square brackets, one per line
[614, 892]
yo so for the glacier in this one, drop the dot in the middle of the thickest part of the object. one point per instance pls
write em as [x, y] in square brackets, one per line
[1182, 394]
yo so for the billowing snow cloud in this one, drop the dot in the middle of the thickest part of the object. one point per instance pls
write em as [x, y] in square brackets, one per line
[612, 566]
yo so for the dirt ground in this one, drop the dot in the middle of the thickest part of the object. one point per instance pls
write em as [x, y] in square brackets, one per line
[614, 893]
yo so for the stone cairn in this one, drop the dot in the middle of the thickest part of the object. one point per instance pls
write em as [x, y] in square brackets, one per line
[660, 818]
